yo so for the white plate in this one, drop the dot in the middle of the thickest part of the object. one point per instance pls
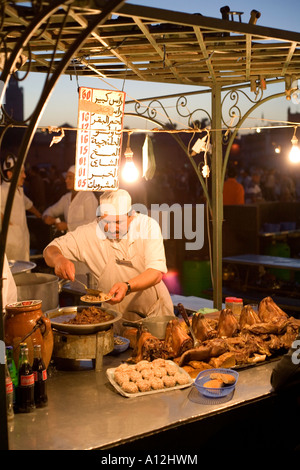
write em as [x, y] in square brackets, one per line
[110, 375]
[87, 298]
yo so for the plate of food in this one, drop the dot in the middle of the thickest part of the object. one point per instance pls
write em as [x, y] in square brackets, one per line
[82, 319]
[120, 344]
[145, 378]
[214, 383]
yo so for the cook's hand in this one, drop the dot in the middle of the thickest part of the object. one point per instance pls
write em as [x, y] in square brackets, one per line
[49, 220]
[118, 292]
[61, 226]
[64, 268]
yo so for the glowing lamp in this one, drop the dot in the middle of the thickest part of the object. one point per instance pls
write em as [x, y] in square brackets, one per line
[294, 155]
[129, 172]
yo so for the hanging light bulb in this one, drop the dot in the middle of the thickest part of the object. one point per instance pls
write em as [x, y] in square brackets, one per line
[294, 155]
[130, 172]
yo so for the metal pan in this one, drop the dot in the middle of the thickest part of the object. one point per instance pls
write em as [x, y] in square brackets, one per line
[60, 315]
[155, 325]
[19, 266]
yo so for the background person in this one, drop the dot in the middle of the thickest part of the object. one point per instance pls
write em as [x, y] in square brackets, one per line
[233, 191]
[253, 192]
[125, 252]
[76, 207]
[18, 238]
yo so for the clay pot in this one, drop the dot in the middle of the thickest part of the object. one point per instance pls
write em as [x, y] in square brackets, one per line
[22, 318]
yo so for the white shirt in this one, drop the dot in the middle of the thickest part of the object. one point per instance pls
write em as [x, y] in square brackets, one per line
[79, 211]
[9, 288]
[18, 239]
[114, 261]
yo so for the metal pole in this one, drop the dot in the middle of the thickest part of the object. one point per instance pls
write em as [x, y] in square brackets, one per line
[217, 196]
[26, 142]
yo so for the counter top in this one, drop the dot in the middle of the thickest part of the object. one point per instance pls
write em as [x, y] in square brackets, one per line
[263, 260]
[85, 412]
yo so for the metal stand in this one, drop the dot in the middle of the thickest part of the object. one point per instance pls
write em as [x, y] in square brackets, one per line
[80, 347]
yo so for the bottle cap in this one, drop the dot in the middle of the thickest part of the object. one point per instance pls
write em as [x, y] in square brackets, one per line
[236, 299]
[229, 299]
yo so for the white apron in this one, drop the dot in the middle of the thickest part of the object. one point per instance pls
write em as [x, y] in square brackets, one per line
[18, 239]
[152, 302]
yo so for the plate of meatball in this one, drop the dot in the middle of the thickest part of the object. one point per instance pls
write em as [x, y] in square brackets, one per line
[160, 375]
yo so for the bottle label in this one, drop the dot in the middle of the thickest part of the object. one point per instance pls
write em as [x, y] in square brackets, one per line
[9, 387]
[43, 375]
[27, 380]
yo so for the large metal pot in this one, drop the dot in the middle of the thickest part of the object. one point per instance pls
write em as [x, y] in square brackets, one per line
[45, 287]
[155, 325]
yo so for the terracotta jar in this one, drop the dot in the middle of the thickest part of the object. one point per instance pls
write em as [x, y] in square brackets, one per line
[26, 318]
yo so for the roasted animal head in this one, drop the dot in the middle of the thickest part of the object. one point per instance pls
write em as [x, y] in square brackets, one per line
[148, 347]
[176, 340]
[248, 316]
[228, 324]
[202, 327]
[270, 312]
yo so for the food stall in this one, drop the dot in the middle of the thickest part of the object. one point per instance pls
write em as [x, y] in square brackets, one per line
[85, 412]
[88, 408]
[86, 397]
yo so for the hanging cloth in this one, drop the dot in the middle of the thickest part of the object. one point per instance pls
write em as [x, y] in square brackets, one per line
[149, 165]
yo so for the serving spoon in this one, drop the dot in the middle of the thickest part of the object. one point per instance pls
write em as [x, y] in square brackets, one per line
[88, 290]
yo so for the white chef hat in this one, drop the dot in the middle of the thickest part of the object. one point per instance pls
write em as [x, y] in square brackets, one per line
[71, 169]
[114, 203]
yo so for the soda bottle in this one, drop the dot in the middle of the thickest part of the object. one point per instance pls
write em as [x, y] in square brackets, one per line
[25, 391]
[9, 394]
[12, 369]
[40, 378]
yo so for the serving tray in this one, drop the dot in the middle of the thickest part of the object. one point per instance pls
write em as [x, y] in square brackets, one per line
[110, 376]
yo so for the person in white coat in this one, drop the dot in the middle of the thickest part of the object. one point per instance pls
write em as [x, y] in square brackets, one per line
[125, 252]
[76, 207]
[18, 237]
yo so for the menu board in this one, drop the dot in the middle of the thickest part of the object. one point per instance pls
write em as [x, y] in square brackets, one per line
[99, 139]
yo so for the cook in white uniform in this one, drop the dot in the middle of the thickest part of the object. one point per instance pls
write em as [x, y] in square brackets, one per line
[125, 252]
[18, 239]
[78, 208]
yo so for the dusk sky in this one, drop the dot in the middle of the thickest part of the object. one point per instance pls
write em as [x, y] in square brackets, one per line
[63, 104]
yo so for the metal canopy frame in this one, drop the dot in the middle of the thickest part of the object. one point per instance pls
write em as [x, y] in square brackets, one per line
[113, 40]
[149, 44]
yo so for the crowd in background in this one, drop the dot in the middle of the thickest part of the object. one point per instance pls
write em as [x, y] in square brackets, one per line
[272, 184]
[44, 186]
[174, 185]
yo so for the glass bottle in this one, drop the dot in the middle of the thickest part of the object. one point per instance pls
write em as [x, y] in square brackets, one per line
[229, 302]
[22, 346]
[25, 391]
[237, 306]
[9, 394]
[12, 369]
[40, 378]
